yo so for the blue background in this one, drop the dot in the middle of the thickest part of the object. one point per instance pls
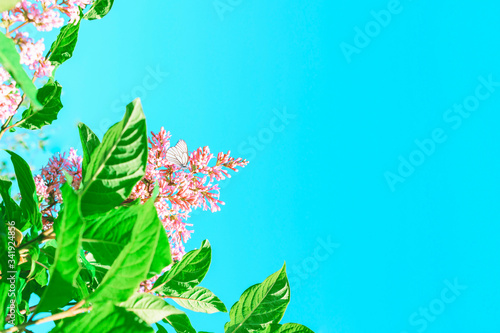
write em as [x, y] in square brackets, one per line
[323, 177]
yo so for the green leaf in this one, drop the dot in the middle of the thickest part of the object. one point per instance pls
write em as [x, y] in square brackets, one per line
[99, 9]
[32, 257]
[50, 97]
[103, 318]
[10, 60]
[64, 272]
[8, 4]
[288, 328]
[100, 271]
[179, 321]
[42, 277]
[199, 299]
[31, 287]
[271, 328]
[107, 235]
[117, 164]
[90, 142]
[260, 305]
[50, 249]
[130, 268]
[152, 309]
[29, 200]
[80, 291]
[161, 329]
[12, 209]
[63, 47]
[187, 273]
[85, 263]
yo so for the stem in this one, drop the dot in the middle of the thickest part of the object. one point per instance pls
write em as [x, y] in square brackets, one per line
[19, 26]
[21, 312]
[5, 125]
[77, 305]
[14, 125]
[39, 263]
[154, 289]
[31, 310]
[173, 297]
[75, 310]
[47, 234]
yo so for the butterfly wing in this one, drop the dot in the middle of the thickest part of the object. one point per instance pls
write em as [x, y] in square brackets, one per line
[178, 154]
[183, 148]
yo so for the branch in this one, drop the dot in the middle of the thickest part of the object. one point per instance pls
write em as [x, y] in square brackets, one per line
[47, 234]
[71, 312]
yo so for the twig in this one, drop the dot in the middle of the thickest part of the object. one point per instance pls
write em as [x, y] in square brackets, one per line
[75, 310]
[19, 26]
[47, 234]
[39, 263]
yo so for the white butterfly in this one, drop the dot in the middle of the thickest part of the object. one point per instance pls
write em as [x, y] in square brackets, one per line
[178, 154]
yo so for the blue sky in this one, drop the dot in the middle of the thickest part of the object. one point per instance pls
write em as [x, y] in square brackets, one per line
[372, 133]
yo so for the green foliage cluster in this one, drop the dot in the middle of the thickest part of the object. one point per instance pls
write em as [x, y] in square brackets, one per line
[87, 269]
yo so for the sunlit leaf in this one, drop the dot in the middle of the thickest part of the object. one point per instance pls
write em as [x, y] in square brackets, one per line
[99, 9]
[132, 265]
[63, 47]
[50, 97]
[199, 299]
[117, 164]
[260, 305]
[90, 142]
[29, 200]
[105, 236]
[64, 272]
[187, 273]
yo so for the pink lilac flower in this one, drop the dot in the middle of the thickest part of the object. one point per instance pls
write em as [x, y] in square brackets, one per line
[44, 69]
[42, 190]
[180, 191]
[48, 20]
[10, 97]
[31, 53]
[49, 182]
[44, 15]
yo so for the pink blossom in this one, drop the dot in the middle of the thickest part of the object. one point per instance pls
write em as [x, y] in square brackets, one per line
[44, 15]
[51, 179]
[4, 75]
[180, 191]
[73, 9]
[48, 20]
[32, 53]
[41, 188]
[44, 69]
[10, 97]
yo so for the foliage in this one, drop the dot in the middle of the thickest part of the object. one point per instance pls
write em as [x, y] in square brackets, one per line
[89, 231]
